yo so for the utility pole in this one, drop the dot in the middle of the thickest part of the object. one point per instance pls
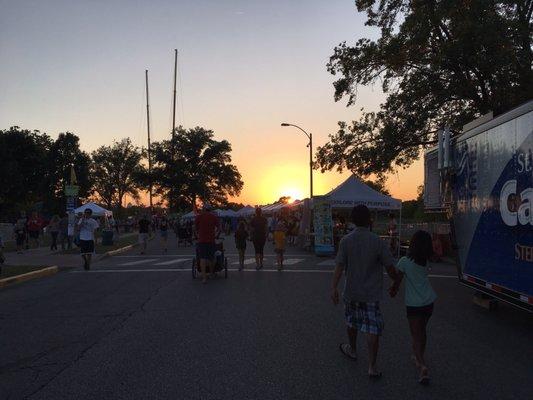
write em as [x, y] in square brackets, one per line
[149, 144]
[311, 164]
[174, 102]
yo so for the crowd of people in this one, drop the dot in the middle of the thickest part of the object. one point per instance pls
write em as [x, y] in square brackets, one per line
[361, 257]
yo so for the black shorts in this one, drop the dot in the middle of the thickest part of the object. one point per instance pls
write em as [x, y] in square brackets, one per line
[86, 246]
[20, 237]
[420, 312]
[259, 245]
[206, 251]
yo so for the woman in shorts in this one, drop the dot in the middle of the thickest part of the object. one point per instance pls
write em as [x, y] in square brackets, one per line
[19, 230]
[241, 235]
[259, 225]
[163, 231]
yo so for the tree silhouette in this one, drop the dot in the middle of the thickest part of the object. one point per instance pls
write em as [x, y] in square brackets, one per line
[439, 63]
[115, 172]
[194, 166]
[24, 169]
[64, 152]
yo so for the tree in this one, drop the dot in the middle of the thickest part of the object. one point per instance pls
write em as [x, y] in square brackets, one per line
[284, 199]
[23, 154]
[64, 152]
[378, 185]
[116, 170]
[194, 166]
[440, 62]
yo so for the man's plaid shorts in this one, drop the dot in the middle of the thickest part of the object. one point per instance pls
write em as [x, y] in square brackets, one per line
[365, 317]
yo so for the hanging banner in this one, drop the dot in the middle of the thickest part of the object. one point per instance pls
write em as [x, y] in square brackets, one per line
[71, 203]
[323, 226]
[71, 190]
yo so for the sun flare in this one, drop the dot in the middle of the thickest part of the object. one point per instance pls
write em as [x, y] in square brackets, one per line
[293, 193]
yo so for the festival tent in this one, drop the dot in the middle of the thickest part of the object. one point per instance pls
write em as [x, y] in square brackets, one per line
[225, 213]
[95, 208]
[246, 211]
[230, 214]
[353, 192]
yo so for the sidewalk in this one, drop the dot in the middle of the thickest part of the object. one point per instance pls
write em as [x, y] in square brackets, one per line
[46, 257]
[43, 256]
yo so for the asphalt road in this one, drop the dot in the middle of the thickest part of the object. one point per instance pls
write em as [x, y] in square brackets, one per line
[139, 327]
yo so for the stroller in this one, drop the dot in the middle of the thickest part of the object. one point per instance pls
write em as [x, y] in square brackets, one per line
[184, 236]
[221, 261]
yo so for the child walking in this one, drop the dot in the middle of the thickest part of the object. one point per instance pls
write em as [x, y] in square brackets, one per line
[419, 296]
[241, 235]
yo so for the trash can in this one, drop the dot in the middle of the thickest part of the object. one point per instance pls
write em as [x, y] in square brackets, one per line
[107, 238]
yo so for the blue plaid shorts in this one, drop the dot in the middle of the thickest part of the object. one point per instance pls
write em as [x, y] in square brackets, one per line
[365, 317]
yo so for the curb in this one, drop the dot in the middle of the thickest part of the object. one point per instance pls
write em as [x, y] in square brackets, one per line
[28, 276]
[121, 249]
[117, 251]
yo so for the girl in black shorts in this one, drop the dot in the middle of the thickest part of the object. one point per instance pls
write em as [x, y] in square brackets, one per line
[419, 296]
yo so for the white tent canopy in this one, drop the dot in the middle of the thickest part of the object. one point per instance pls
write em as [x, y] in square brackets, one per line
[95, 208]
[353, 192]
[246, 211]
[225, 213]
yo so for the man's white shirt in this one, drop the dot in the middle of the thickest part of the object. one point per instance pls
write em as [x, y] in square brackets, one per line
[87, 227]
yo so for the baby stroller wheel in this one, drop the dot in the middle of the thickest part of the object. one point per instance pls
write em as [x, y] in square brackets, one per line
[194, 270]
[225, 268]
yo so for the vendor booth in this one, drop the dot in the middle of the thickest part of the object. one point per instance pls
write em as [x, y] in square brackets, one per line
[350, 193]
[353, 192]
[246, 211]
[96, 209]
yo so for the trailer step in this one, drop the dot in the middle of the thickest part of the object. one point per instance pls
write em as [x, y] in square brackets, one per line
[485, 301]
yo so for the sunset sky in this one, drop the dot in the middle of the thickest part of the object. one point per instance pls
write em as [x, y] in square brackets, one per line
[245, 67]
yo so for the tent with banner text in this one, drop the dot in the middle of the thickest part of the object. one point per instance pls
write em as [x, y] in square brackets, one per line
[353, 192]
[350, 193]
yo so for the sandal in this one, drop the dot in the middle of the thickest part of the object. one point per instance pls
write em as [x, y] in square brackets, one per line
[376, 375]
[424, 377]
[346, 349]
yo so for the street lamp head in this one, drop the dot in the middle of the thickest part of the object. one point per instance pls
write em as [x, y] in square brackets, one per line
[285, 124]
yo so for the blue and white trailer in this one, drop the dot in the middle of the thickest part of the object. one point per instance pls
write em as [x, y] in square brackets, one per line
[483, 178]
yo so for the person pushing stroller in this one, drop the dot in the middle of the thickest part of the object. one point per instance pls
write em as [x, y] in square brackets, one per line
[208, 228]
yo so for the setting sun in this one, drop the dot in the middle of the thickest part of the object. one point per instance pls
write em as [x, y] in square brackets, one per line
[293, 193]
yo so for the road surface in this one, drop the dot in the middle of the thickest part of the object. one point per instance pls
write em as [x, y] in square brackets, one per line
[139, 327]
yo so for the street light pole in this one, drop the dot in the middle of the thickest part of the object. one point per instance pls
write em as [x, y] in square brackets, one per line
[310, 145]
[311, 164]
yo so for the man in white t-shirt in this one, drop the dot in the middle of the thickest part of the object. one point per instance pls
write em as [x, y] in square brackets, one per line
[86, 227]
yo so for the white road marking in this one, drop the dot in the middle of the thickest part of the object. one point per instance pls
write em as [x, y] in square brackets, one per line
[297, 271]
[247, 261]
[327, 263]
[176, 261]
[303, 255]
[292, 261]
[109, 271]
[140, 262]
